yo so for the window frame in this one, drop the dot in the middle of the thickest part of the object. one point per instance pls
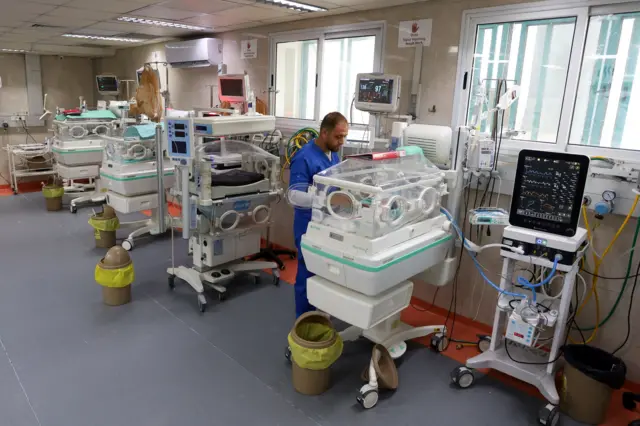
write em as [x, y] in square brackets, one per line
[582, 10]
[374, 28]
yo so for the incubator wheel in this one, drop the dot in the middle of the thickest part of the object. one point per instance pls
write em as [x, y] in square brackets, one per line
[549, 415]
[281, 267]
[276, 278]
[287, 353]
[222, 296]
[439, 342]
[368, 397]
[202, 303]
[127, 244]
[172, 282]
[463, 377]
[73, 208]
[292, 256]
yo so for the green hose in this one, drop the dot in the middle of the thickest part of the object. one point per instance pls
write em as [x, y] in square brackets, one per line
[624, 284]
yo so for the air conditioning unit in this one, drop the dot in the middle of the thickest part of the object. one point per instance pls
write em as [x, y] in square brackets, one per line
[203, 52]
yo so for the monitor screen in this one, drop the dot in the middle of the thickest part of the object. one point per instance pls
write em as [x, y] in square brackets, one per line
[179, 147]
[548, 191]
[375, 90]
[107, 83]
[233, 87]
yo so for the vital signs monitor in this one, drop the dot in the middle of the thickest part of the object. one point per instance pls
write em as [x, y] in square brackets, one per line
[377, 92]
[548, 191]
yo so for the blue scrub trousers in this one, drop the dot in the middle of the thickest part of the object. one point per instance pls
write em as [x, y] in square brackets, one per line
[300, 287]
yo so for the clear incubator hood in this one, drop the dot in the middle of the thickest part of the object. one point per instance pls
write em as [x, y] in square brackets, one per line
[371, 198]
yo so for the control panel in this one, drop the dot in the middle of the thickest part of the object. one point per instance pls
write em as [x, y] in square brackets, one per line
[180, 139]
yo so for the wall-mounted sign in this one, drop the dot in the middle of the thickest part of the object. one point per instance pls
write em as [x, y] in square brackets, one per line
[415, 33]
[249, 49]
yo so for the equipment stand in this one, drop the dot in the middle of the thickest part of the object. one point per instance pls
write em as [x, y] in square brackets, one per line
[532, 366]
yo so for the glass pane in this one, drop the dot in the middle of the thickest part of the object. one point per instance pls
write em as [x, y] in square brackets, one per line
[343, 59]
[533, 55]
[296, 79]
[608, 101]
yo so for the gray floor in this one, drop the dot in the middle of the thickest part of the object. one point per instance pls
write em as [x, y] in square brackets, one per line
[67, 360]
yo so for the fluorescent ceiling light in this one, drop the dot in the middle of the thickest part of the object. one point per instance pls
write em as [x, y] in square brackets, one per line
[13, 50]
[295, 5]
[94, 37]
[153, 22]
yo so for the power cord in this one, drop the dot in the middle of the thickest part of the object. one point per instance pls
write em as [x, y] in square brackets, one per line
[633, 290]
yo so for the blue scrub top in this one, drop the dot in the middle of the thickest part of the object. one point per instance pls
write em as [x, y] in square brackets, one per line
[307, 162]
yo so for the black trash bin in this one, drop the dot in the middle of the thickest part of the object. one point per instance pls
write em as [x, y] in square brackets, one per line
[589, 377]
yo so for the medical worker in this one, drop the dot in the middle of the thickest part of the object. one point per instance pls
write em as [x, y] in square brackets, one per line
[316, 156]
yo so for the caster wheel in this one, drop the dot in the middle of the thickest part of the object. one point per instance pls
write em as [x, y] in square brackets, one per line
[172, 282]
[276, 281]
[222, 296]
[463, 377]
[281, 267]
[483, 344]
[368, 399]
[287, 354]
[439, 343]
[549, 415]
[127, 244]
[202, 303]
[225, 272]
[73, 209]
[292, 256]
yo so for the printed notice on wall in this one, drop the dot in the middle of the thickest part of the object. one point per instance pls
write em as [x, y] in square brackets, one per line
[415, 33]
[249, 49]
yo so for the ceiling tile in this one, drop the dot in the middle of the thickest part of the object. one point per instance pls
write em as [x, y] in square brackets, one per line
[53, 2]
[25, 7]
[19, 38]
[71, 12]
[211, 6]
[160, 12]
[377, 4]
[163, 31]
[7, 21]
[62, 21]
[213, 21]
[114, 6]
[118, 27]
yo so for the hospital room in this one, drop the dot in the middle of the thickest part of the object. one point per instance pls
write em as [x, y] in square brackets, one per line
[319, 212]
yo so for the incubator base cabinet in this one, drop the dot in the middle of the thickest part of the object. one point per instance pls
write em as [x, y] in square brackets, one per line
[375, 225]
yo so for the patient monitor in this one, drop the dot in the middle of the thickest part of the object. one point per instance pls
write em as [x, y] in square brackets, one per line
[377, 92]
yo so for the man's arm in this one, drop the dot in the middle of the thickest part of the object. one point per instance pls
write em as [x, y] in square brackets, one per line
[300, 179]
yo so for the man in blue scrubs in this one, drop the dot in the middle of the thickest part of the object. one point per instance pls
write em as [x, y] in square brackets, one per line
[316, 156]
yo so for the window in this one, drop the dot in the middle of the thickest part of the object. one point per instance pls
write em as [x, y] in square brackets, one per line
[296, 79]
[533, 55]
[314, 73]
[608, 102]
[575, 68]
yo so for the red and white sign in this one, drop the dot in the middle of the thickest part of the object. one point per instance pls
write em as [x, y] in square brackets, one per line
[415, 33]
[249, 49]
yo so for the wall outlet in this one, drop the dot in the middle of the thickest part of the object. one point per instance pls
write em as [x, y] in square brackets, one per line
[19, 117]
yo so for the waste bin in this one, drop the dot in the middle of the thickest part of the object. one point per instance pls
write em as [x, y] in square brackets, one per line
[53, 196]
[104, 225]
[588, 378]
[315, 345]
[115, 274]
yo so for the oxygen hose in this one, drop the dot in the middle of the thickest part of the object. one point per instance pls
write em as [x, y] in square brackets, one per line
[624, 284]
[598, 262]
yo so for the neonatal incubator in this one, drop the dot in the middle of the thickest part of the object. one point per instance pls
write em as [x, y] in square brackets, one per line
[77, 147]
[129, 174]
